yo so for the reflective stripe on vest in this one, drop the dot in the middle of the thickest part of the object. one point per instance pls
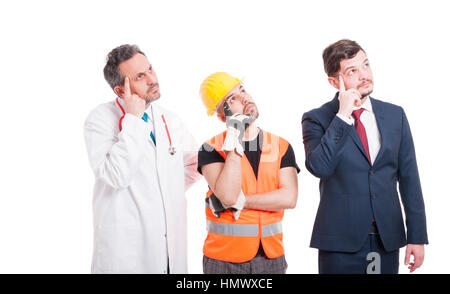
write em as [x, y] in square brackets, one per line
[268, 230]
[239, 230]
[272, 229]
[243, 230]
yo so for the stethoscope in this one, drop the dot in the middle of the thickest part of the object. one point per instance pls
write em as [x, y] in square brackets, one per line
[172, 150]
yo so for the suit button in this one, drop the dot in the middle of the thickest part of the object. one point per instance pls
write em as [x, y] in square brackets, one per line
[374, 196]
[371, 172]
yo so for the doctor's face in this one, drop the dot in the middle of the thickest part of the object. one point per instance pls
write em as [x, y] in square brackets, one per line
[143, 80]
[239, 101]
[356, 73]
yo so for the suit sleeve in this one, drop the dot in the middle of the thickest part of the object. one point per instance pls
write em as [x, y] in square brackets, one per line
[410, 189]
[323, 147]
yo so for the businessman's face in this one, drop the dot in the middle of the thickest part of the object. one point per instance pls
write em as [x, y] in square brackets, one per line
[357, 74]
[239, 101]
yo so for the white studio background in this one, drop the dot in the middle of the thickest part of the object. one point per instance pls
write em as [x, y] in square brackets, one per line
[52, 56]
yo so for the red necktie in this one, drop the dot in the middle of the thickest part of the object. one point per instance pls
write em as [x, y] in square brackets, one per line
[361, 130]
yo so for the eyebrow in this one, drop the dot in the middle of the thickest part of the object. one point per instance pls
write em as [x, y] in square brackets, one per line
[142, 72]
[352, 67]
[348, 68]
[231, 95]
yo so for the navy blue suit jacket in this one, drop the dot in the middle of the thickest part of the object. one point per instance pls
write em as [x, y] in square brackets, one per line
[352, 191]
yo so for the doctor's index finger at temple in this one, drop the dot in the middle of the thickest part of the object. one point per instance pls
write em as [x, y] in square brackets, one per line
[133, 103]
[126, 88]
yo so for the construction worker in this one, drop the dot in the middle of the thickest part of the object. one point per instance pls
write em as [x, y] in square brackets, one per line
[252, 178]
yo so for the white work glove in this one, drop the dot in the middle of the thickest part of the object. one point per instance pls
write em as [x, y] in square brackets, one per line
[238, 206]
[236, 125]
[217, 207]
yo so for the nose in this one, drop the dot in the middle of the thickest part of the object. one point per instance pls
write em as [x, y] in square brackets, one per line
[364, 74]
[240, 98]
[150, 78]
[245, 99]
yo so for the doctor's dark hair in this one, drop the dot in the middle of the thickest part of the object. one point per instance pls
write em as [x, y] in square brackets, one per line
[336, 52]
[115, 57]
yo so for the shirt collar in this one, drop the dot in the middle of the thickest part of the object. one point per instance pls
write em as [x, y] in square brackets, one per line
[367, 105]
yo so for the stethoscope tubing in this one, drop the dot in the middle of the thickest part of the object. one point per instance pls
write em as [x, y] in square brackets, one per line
[171, 148]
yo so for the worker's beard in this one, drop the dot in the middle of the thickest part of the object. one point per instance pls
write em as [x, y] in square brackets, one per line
[253, 110]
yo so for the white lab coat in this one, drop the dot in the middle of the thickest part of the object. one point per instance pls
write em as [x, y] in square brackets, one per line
[139, 204]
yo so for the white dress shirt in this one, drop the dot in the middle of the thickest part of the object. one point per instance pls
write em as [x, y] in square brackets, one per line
[370, 124]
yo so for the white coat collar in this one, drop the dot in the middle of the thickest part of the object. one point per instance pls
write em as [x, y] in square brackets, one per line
[149, 109]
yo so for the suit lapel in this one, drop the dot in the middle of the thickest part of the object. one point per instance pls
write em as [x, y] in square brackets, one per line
[353, 134]
[377, 108]
[357, 140]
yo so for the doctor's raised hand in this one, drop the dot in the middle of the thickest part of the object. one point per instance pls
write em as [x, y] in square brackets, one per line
[133, 104]
[347, 99]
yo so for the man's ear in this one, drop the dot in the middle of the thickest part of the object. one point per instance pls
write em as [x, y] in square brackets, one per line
[334, 82]
[118, 90]
[221, 116]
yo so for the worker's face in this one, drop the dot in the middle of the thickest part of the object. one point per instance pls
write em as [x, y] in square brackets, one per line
[239, 101]
[143, 80]
[356, 73]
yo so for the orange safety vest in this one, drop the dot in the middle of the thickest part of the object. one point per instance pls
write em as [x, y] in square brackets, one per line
[238, 240]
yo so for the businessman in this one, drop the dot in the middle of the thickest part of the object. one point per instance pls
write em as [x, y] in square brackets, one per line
[361, 148]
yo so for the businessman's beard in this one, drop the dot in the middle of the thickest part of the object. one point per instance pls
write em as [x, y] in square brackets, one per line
[365, 88]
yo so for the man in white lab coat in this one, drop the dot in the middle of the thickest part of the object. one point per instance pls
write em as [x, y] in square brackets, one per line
[144, 159]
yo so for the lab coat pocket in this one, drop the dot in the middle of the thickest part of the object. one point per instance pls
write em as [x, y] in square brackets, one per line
[117, 249]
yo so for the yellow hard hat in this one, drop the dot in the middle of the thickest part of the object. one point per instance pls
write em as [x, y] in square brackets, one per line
[215, 87]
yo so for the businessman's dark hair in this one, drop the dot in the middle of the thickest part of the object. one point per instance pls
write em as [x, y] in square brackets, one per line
[336, 52]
